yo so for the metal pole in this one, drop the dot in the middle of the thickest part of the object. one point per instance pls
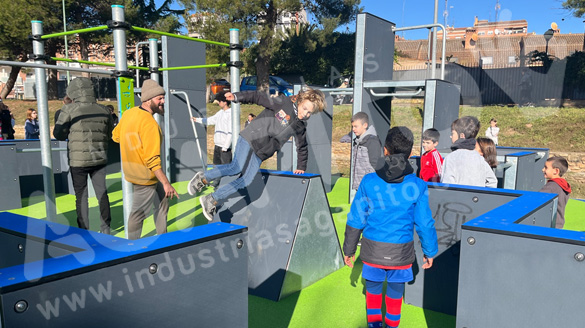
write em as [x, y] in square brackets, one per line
[235, 86]
[66, 45]
[94, 63]
[177, 68]
[138, 44]
[153, 59]
[178, 36]
[44, 130]
[121, 65]
[434, 54]
[59, 68]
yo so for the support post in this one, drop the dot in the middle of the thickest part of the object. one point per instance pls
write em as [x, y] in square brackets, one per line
[44, 135]
[153, 59]
[235, 85]
[434, 53]
[119, 35]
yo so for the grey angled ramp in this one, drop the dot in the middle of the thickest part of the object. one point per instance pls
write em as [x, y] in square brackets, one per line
[292, 239]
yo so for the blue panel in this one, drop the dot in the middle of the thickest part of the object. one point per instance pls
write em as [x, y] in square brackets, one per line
[97, 249]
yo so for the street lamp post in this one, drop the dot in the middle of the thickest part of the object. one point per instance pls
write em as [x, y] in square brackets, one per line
[547, 36]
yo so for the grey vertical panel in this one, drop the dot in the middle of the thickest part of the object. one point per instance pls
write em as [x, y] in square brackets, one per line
[519, 281]
[284, 157]
[277, 208]
[270, 207]
[441, 108]
[10, 191]
[378, 49]
[374, 59]
[534, 170]
[319, 132]
[436, 289]
[183, 162]
[319, 136]
[185, 159]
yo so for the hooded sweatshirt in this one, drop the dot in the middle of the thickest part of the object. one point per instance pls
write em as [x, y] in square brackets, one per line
[366, 151]
[465, 166]
[389, 204]
[562, 188]
[86, 124]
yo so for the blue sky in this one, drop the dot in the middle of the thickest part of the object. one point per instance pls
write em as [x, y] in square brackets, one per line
[538, 13]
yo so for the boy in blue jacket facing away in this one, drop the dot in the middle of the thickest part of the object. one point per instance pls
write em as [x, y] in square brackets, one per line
[388, 205]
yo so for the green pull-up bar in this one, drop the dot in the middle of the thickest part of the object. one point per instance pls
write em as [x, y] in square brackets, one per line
[140, 29]
[190, 67]
[95, 63]
[83, 30]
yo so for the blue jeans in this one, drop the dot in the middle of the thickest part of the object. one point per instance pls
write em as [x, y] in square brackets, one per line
[237, 166]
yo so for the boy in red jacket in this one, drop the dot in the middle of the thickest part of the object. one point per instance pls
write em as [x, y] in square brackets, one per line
[553, 170]
[431, 161]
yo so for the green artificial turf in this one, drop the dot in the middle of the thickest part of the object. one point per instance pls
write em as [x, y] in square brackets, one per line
[337, 300]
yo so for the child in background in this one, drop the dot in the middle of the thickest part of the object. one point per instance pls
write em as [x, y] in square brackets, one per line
[222, 137]
[389, 204]
[554, 168]
[366, 149]
[487, 148]
[431, 161]
[31, 125]
[250, 118]
[281, 119]
[493, 131]
[464, 165]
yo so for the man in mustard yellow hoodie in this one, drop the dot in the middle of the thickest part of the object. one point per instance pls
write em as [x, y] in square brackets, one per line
[140, 138]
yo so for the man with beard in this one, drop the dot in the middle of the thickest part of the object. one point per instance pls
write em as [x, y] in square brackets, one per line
[140, 138]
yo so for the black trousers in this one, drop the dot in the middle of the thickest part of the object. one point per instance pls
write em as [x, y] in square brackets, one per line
[98, 180]
[221, 157]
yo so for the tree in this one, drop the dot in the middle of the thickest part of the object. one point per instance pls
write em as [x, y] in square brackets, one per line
[15, 27]
[577, 7]
[257, 20]
[84, 14]
[17, 15]
[304, 53]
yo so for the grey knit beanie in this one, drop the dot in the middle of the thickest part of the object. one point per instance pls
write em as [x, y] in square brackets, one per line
[150, 89]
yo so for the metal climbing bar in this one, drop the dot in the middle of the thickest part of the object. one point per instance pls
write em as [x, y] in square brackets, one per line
[83, 30]
[55, 67]
[141, 29]
[190, 67]
[94, 63]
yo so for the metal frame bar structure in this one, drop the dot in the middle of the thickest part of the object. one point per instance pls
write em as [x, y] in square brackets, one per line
[373, 83]
[121, 66]
[44, 129]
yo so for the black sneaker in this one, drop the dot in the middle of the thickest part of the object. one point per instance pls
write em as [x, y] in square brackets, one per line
[196, 184]
[208, 205]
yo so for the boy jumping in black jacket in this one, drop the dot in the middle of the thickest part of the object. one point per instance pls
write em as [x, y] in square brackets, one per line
[282, 118]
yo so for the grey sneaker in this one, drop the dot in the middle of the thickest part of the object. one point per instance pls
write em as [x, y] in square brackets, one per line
[196, 184]
[208, 205]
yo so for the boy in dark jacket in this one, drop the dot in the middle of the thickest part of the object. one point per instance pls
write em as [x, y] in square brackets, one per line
[389, 204]
[554, 168]
[366, 149]
[281, 119]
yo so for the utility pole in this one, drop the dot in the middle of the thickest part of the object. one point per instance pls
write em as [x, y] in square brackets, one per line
[446, 14]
